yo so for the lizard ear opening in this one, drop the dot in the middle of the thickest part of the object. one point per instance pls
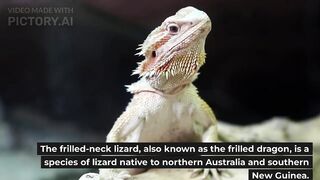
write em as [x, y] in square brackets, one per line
[153, 54]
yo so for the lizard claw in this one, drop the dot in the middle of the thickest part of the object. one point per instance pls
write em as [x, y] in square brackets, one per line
[205, 173]
[197, 172]
[90, 176]
[123, 175]
[114, 174]
[215, 174]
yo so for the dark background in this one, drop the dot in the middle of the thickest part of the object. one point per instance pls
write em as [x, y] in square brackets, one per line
[262, 61]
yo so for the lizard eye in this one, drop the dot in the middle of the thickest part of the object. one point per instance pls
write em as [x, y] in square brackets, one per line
[173, 28]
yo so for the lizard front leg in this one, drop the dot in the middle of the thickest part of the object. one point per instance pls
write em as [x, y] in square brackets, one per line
[205, 125]
[209, 135]
[127, 128]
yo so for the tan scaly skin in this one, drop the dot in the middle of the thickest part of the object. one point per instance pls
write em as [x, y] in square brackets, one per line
[166, 106]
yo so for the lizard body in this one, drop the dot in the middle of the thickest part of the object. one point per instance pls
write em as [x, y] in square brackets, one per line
[158, 117]
[165, 95]
[166, 106]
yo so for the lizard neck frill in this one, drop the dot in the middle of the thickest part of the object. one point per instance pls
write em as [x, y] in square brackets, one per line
[143, 86]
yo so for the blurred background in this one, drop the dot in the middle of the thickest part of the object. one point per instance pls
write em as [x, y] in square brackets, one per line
[67, 83]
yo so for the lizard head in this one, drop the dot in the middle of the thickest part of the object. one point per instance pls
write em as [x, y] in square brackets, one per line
[174, 51]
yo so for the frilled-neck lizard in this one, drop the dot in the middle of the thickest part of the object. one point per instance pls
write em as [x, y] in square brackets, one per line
[166, 106]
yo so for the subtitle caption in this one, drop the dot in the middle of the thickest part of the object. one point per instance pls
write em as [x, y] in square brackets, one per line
[264, 160]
